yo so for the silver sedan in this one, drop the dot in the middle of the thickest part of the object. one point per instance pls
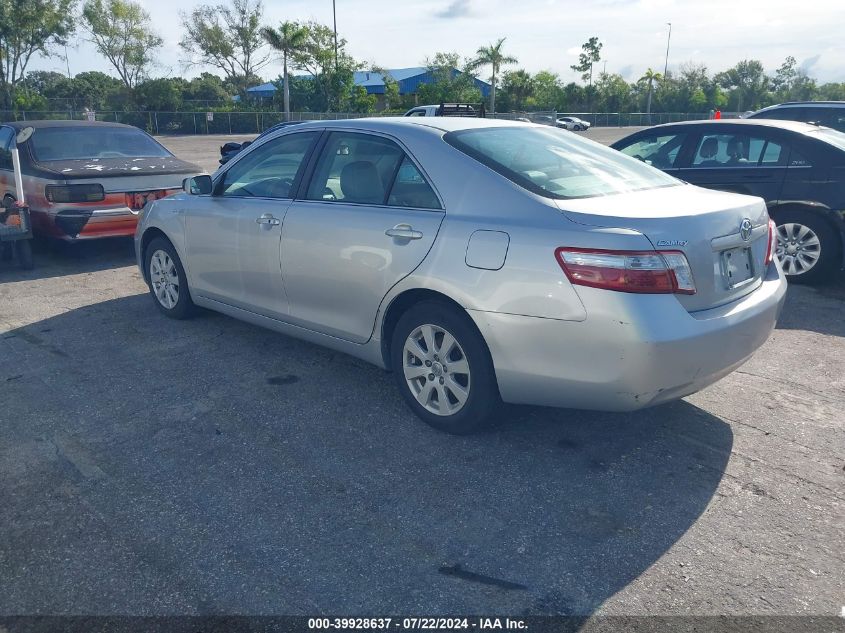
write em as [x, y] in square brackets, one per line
[481, 261]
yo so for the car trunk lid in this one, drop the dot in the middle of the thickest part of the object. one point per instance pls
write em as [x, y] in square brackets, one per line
[726, 261]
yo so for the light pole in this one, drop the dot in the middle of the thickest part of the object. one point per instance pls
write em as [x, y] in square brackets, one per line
[668, 39]
[334, 19]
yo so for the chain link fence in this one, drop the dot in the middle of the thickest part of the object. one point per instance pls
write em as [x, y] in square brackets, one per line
[163, 123]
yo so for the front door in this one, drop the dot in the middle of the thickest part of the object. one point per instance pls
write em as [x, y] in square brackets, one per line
[233, 235]
[740, 162]
[366, 220]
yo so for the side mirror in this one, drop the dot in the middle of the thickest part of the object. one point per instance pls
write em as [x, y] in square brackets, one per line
[197, 186]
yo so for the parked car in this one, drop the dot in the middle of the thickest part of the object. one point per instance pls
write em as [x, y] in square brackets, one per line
[479, 260]
[449, 109]
[827, 113]
[230, 149]
[797, 168]
[85, 179]
[572, 123]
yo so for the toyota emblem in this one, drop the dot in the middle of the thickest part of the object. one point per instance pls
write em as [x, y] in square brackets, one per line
[745, 229]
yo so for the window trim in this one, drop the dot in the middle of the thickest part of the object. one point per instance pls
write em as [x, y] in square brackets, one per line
[220, 180]
[317, 152]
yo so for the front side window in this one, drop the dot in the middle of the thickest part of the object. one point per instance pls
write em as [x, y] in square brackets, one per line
[366, 169]
[416, 113]
[657, 151]
[270, 170]
[737, 150]
[557, 164]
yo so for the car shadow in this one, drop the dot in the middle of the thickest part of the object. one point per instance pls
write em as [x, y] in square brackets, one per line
[212, 467]
[54, 258]
[815, 308]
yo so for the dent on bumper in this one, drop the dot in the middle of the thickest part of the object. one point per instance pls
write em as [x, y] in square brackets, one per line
[631, 352]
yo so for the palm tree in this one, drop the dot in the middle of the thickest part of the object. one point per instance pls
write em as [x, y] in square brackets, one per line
[289, 39]
[492, 56]
[650, 76]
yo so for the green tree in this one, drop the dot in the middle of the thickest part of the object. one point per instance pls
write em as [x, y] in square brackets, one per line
[590, 54]
[121, 30]
[747, 82]
[206, 87]
[96, 90]
[518, 86]
[227, 37]
[27, 28]
[449, 84]
[289, 39]
[492, 56]
[548, 93]
[392, 99]
[317, 58]
[161, 95]
[614, 93]
[649, 78]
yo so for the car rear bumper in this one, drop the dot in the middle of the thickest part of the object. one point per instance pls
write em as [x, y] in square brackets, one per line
[631, 352]
[72, 224]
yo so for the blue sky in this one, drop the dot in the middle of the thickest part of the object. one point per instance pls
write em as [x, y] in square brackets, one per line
[544, 34]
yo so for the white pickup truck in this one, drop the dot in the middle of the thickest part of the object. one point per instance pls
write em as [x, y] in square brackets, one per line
[448, 109]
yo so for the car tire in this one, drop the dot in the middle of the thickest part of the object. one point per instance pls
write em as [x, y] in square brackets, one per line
[23, 251]
[453, 390]
[809, 247]
[167, 280]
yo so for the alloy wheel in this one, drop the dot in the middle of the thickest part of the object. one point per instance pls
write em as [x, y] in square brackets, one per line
[798, 248]
[164, 279]
[436, 369]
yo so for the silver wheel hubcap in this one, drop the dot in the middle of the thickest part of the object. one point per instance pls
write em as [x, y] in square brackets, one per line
[164, 279]
[798, 248]
[436, 370]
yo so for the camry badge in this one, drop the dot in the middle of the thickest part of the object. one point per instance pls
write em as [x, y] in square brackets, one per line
[745, 229]
[672, 242]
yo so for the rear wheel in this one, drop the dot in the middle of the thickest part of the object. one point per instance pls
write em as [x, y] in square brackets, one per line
[809, 248]
[443, 369]
[167, 280]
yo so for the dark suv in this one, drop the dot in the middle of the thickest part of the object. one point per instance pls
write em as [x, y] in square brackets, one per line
[827, 113]
[797, 168]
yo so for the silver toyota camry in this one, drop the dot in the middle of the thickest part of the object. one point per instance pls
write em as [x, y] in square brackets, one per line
[481, 261]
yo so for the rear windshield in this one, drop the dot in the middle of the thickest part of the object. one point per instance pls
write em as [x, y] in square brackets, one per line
[70, 143]
[557, 164]
[828, 135]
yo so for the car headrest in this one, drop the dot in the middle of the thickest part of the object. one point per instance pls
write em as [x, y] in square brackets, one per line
[360, 182]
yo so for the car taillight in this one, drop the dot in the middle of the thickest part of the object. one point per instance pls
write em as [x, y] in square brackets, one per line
[74, 193]
[649, 272]
[772, 244]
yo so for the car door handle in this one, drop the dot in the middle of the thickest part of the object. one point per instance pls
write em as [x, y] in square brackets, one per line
[404, 232]
[268, 220]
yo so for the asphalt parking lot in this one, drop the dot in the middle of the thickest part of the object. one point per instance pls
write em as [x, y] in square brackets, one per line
[205, 467]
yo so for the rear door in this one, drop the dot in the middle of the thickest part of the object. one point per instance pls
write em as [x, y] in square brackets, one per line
[366, 220]
[731, 159]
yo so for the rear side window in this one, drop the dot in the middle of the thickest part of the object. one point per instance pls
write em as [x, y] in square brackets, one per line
[657, 151]
[785, 114]
[557, 164]
[737, 150]
[366, 169]
[6, 136]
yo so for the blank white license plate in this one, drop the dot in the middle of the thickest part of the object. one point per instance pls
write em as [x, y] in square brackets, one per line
[737, 266]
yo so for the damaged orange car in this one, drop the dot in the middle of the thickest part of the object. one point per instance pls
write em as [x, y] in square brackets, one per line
[84, 179]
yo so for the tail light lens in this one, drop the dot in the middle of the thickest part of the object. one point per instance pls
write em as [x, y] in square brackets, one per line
[74, 193]
[648, 272]
[772, 244]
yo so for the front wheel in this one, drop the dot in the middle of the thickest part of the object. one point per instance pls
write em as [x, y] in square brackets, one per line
[443, 369]
[809, 248]
[167, 280]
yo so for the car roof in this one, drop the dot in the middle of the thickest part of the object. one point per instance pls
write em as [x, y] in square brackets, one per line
[838, 104]
[793, 126]
[19, 125]
[398, 123]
